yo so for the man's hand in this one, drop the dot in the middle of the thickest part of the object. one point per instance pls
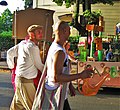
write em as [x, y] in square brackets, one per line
[87, 73]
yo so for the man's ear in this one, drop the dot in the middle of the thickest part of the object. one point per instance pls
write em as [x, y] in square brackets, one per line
[31, 34]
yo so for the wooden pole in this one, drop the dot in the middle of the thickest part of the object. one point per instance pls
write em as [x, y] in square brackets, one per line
[15, 26]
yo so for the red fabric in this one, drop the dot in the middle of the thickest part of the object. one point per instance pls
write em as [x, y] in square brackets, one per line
[89, 40]
[36, 80]
[13, 76]
[96, 53]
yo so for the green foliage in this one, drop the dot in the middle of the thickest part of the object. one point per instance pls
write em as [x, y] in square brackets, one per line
[73, 43]
[92, 16]
[6, 21]
[75, 22]
[68, 3]
[6, 40]
[6, 30]
[58, 2]
[6, 34]
[28, 3]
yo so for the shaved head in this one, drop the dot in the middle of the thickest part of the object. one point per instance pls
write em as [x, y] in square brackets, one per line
[60, 25]
[62, 32]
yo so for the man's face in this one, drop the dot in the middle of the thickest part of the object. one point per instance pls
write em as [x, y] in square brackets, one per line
[67, 32]
[38, 34]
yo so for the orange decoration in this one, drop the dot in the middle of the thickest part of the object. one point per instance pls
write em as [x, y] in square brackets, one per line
[98, 42]
[90, 90]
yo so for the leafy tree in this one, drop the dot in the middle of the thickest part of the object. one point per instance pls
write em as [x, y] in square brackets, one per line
[28, 3]
[92, 17]
[6, 30]
[86, 6]
[6, 21]
[5, 40]
[68, 3]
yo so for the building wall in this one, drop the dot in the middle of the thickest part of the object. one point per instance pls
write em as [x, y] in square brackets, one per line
[111, 16]
[48, 4]
[110, 13]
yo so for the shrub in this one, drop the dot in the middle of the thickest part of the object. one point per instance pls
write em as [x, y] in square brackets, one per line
[74, 42]
[6, 40]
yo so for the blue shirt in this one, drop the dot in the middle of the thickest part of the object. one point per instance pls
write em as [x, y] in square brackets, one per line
[109, 56]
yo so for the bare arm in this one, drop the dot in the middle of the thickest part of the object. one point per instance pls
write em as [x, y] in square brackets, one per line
[58, 67]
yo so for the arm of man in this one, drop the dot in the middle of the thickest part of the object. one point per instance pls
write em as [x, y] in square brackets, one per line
[11, 54]
[58, 62]
[36, 58]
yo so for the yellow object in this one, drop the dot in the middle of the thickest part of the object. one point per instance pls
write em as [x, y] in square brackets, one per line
[71, 53]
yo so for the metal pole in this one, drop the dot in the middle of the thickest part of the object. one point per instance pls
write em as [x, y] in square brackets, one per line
[45, 34]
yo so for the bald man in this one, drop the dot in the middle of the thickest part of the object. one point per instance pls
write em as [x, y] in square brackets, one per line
[58, 78]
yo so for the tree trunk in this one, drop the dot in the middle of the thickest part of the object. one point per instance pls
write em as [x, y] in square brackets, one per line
[86, 5]
[76, 24]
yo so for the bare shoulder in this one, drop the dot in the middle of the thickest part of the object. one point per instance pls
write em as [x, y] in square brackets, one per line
[60, 54]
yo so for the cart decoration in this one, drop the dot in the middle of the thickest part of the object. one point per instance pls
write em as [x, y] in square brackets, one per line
[102, 73]
[89, 90]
